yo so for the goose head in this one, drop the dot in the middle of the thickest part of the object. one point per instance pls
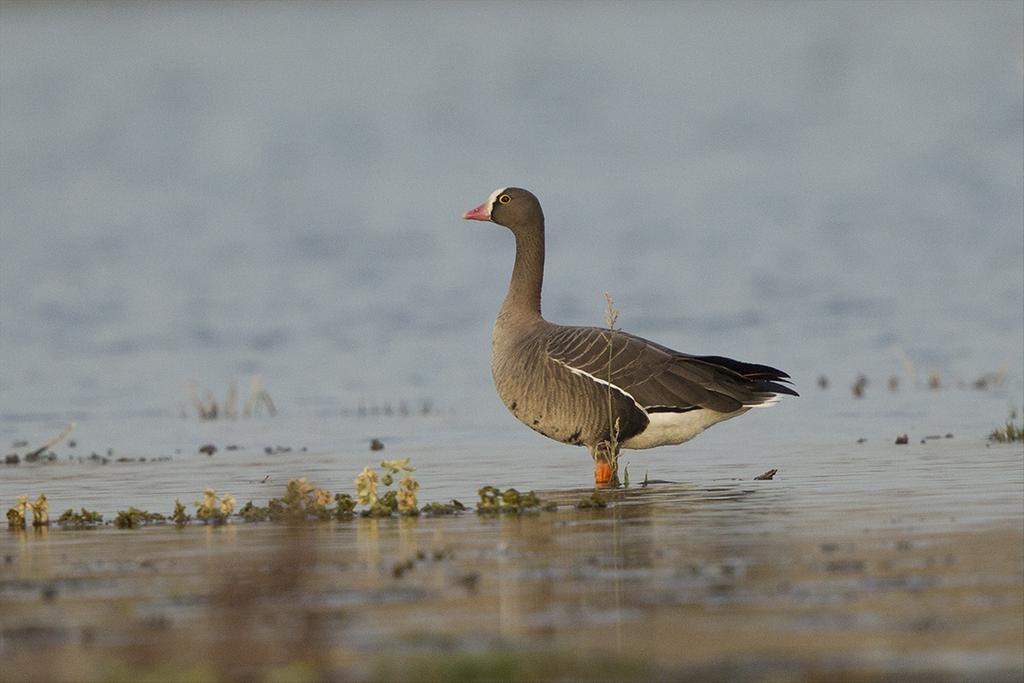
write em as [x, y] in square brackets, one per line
[512, 207]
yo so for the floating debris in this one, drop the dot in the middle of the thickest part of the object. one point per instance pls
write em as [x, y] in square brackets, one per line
[859, 386]
[31, 456]
[822, 382]
[902, 440]
[767, 476]
[12, 459]
[376, 445]
[208, 449]
[862, 440]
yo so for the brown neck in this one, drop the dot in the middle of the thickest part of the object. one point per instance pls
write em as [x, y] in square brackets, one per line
[523, 298]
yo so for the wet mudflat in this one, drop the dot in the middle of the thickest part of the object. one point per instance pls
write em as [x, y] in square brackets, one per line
[765, 579]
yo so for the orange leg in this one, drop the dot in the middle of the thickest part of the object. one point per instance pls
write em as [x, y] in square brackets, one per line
[606, 466]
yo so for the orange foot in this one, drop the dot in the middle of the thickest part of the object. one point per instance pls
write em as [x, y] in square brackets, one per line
[603, 474]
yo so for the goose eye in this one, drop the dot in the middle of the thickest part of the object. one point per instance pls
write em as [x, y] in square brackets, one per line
[504, 199]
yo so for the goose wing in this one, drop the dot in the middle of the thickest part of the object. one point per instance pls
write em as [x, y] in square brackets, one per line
[660, 379]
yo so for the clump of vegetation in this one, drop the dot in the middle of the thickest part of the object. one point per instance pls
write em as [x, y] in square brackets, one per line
[1009, 432]
[253, 513]
[402, 501]
[453, 507]
[212, 509]
[133, 518]
[344, 507]
[301, 501]
[207, 407]
[17, 516]
[179, 516]
[83, 519]
[494, 500]
[40, 512]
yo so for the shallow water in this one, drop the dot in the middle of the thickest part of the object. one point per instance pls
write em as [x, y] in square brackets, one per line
[756, 579]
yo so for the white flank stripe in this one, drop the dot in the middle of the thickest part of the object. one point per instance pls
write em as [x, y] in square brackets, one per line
[583, 373]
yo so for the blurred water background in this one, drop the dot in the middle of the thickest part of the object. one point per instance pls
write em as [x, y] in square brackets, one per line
[208, 192]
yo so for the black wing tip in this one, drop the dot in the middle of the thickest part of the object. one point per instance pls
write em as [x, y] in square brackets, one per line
[765, 377]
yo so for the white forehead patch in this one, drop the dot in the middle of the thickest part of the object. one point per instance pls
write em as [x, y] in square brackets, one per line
[494, 195]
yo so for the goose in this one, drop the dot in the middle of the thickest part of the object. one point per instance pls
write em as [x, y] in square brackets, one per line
[600, 387]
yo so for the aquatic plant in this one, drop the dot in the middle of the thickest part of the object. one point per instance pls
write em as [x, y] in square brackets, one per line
[452, 507]
[344, 506]
[79, 520]
[407, 496]
[207, 407]
[16, 515]
[214, 509]
[1008, 433]
[40, 512]
[253, 513]
[179, 516]
[394, 468]
[366, 486]
[494, 500]
[132, 518]
[403, 501]
[301, 501]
